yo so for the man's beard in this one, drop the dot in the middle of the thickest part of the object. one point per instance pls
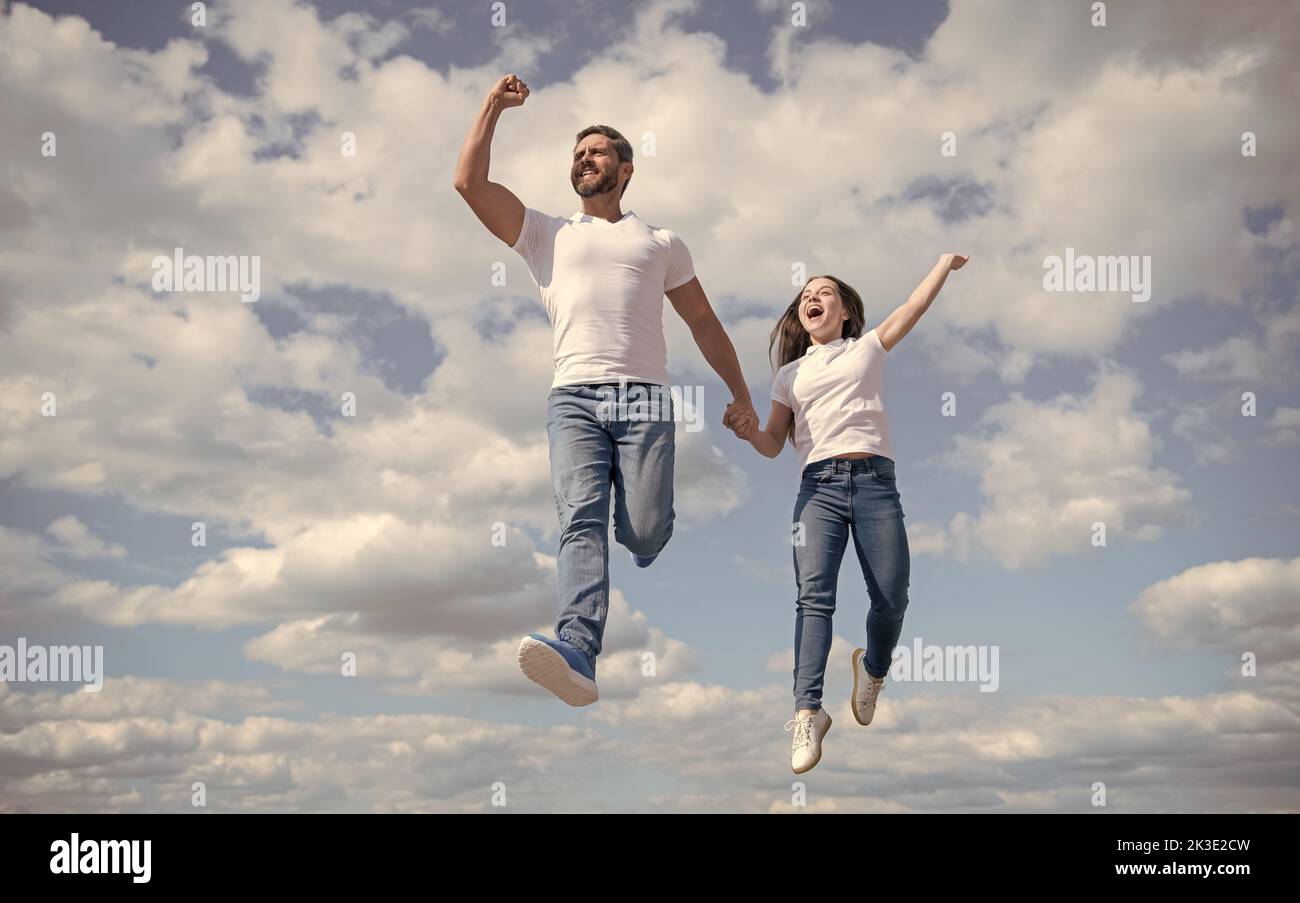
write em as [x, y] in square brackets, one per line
[604, 182]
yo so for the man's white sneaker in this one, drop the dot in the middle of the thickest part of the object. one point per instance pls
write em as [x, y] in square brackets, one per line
[866, 689]
[809, 728]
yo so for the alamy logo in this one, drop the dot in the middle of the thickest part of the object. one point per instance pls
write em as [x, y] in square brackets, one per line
[102, 857]
[179, 273]
[947, 664]
[1085, 273]
[53, 664]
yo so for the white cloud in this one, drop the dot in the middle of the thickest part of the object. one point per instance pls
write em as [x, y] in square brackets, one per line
[1248, 360]
[24, 567]
[139, 744]
[399, 576]
[1050, 470]
[1201, 428]
[76, 539]
[127, 696]
[1251, 605]
[438, 665]
[1284, 425]
[431, 18]
[975, 753]
[479, 425]
[146, 747]
[926, 539]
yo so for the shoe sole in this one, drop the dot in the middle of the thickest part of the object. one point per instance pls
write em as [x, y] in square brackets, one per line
[857, 657]
[547, 668]
[813, 764]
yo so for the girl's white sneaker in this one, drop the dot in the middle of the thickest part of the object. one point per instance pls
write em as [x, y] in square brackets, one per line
[809, 728]
[866, 689]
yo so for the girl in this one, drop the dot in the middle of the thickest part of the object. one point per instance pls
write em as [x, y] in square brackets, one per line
[826, 401]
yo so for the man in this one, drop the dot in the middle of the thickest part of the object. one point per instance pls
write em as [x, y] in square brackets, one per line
[602, 274]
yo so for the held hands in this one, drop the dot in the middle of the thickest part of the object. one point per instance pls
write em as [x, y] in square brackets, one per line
[509, 91]
[741, 419]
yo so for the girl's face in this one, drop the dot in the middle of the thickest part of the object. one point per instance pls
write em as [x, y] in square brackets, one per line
[821, 310]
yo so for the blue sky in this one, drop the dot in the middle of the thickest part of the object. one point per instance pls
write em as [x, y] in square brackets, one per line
[776, 146]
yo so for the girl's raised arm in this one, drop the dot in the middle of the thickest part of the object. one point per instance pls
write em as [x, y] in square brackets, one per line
[901, 321]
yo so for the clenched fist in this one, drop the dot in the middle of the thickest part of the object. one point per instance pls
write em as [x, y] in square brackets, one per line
[509, 91]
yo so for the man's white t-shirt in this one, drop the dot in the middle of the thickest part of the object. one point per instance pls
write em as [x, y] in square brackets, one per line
[834, 393]
[603, 287]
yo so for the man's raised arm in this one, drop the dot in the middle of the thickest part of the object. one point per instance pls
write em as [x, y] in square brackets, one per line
[495, 205]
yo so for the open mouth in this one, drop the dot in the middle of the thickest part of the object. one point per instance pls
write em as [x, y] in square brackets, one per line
[589, 171]
[814, 311]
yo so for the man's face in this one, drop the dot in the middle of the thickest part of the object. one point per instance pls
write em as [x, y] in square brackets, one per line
[595, 166]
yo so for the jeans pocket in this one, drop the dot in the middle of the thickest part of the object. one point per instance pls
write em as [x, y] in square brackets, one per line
[883, 470]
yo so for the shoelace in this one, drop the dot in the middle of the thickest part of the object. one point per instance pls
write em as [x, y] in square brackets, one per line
[873, 690]
[802, 728]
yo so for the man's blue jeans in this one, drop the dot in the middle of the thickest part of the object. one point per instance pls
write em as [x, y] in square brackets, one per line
[595, 445]
[838, 498]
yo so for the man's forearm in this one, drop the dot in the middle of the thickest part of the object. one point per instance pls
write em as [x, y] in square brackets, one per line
[717, 349]
[476, 152]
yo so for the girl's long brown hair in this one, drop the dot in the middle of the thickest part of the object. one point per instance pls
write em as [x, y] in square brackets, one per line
[789, 340]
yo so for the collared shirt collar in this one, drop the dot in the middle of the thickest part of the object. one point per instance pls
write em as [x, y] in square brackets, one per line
[833, 343]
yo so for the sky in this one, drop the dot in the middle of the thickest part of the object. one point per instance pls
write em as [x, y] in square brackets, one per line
[859, 139]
